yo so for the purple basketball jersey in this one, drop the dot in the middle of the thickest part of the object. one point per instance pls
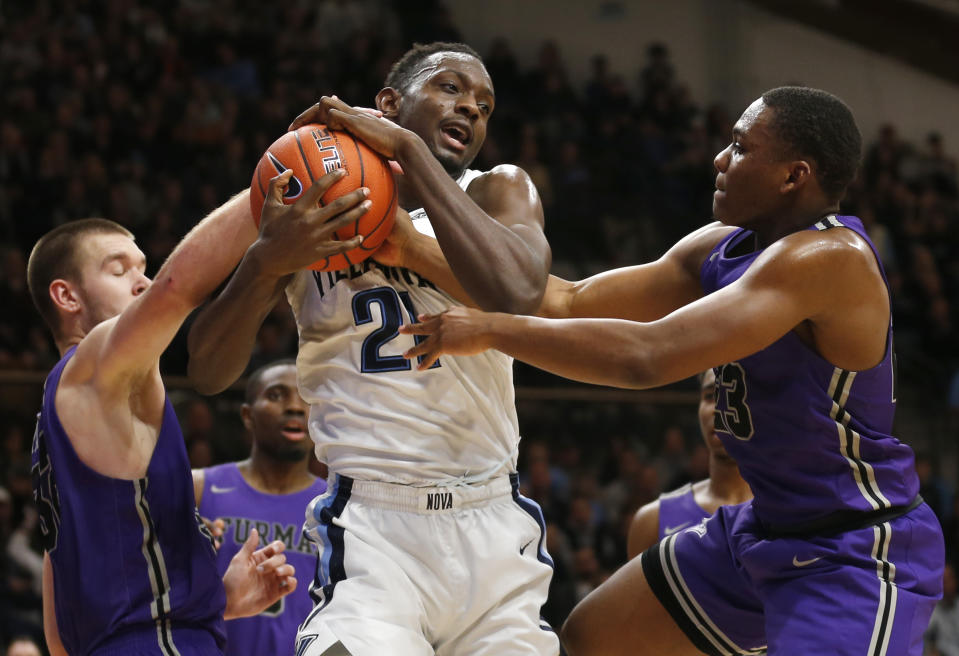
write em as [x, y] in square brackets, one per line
[678, 510]
[133, 570]
[227, 495]
[786, 404]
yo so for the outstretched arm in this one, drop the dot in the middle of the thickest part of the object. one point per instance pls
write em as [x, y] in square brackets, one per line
[291, 238]
[123, 352]
[491, 236]
[831, 284]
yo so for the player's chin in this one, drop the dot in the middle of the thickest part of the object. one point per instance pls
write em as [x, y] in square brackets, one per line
[719, 203]
[453, 163]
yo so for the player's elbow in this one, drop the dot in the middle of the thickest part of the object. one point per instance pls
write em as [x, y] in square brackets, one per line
[638, 369]
[515, 297]
[205, 385]
[204, 375]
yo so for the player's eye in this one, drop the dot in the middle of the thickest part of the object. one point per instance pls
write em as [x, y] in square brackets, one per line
[486, 109]
[449, 86]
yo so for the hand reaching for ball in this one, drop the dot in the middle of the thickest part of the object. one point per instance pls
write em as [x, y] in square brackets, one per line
[294, 236]
[380, 134]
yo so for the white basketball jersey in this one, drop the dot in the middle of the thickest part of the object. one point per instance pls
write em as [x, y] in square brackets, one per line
[373, 416]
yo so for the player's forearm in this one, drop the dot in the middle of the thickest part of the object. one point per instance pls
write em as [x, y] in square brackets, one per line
[221, 339]
[599, 351]
[209, 252]
[492, 262]
[427, 259]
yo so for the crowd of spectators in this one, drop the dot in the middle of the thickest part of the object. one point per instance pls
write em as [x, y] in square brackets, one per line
[152, 114]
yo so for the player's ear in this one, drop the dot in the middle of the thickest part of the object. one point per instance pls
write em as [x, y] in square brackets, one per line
[246, 415]
[64, 295]
[799, 174]
[388, 101]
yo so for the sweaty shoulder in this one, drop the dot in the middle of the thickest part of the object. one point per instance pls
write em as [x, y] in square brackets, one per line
[832, 280]
[500, 174]
[643, 530]
[507, 193]
[693, 249]
[834, 253]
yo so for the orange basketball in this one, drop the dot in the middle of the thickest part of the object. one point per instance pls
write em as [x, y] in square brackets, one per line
[312, 151]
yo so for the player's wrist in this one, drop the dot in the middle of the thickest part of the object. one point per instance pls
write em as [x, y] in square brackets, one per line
[261, 263]
[409, 147]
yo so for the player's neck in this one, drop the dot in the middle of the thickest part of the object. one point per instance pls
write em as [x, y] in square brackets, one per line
[726, 483]
[799, 218]
[274, 477]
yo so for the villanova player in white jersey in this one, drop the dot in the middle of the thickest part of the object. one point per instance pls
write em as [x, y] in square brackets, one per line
[425, 545]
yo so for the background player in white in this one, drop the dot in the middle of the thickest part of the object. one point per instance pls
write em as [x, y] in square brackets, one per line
[426, 545]
[688, 505]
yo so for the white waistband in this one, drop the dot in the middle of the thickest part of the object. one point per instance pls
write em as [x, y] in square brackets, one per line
[426, 500]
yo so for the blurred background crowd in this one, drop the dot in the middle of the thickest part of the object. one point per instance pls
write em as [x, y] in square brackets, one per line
[152, 114]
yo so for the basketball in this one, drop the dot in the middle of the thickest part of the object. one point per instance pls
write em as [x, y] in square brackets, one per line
[312, 151]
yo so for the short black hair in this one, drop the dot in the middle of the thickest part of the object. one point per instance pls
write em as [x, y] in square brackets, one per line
[253, 381]
[401, 74]
[818, 125]
[56, 256]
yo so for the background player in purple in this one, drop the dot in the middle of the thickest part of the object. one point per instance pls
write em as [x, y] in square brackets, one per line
[690, 504]
[127, 567]
[268, 493]
[788, 302]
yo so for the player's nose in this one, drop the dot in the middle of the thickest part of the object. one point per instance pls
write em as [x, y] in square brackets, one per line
[141, 285]
[721, 161]
[467, 107]
[296, 404]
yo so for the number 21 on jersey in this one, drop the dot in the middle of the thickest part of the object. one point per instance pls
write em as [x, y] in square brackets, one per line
[391, 305]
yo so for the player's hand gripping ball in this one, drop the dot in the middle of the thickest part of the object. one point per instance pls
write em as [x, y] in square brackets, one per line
[312, 151]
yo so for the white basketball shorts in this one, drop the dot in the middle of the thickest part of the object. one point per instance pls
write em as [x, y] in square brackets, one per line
[411, 571]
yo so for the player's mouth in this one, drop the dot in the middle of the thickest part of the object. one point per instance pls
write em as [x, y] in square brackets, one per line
[294, 430]
[456, 135]
[720, 187]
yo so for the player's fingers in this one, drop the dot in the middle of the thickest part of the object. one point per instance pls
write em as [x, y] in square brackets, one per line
[343, 246]
[337, 119]
[427, 351]
[250, 545]
[419, 350]
[428, 361]
[372, 111]
[218, 526]
[426, 325]
[284, 571]
[336, 215]
[313, 195]
[288, 585]
[310, 115]
[269, 550]
[271, 563]
[274, 194]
